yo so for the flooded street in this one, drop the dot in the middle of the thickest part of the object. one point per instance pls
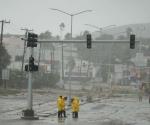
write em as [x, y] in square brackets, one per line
[112, 111]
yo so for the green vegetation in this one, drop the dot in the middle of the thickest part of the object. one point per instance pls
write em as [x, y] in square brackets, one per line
[6, 92]
[19, 80]
[4, 60]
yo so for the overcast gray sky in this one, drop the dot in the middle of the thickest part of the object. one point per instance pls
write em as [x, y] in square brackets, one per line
[35, 14]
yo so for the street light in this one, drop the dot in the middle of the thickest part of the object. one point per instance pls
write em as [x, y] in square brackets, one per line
[71, 15]
[62, 26]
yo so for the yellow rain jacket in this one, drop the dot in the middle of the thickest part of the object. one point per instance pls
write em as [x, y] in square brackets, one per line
[60, 104]
[63, 103]
[75, 104]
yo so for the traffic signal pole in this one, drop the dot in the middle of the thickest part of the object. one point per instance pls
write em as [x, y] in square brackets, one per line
[30, 85]
[30, 68]
[84, 41]
[29, 112]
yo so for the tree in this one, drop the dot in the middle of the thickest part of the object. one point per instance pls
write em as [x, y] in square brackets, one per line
[4, 59]
[121, 37]
[67, 36]
[46, 35]
[62, 26]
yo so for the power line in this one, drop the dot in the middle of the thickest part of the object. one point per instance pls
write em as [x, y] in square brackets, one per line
[3, 21]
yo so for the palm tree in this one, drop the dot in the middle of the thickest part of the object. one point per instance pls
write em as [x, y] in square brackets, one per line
[62, 26]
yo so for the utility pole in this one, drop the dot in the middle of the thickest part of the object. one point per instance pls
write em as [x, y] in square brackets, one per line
[24, 49]
[2, 27]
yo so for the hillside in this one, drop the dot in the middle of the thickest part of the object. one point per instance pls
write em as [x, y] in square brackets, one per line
[141, 30]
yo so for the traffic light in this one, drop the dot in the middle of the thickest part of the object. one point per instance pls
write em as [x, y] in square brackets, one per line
[132, 41]
[32, 40]
[31, 63]
[31, 66]
[26, 68]
[89, 41]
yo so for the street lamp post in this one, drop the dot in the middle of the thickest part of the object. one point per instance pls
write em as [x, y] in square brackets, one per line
[71, 30]
[62, 26]
[71, 15]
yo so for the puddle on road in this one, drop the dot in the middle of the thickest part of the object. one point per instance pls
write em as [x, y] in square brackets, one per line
[100, 106]
[145, 116]
[116, 122]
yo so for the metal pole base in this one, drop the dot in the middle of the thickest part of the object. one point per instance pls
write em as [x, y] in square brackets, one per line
[29, 115]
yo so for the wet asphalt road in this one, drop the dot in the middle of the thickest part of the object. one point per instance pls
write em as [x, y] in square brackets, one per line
[116, 111]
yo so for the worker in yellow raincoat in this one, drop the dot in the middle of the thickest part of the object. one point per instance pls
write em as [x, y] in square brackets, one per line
[63, 106]
[75, 107]
[60, 106]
